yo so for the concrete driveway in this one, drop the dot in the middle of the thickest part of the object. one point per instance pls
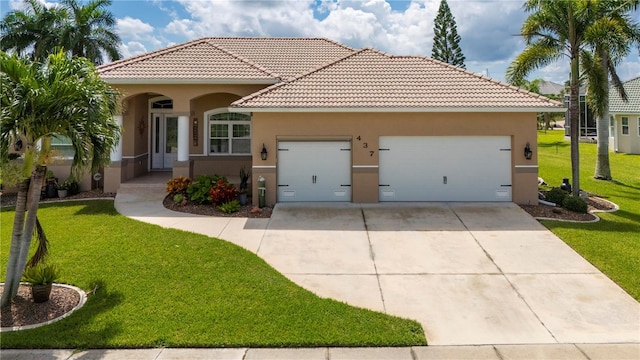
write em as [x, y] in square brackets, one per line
[471, 273]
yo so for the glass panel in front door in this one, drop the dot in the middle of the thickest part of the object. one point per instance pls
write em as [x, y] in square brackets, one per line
[171, 141]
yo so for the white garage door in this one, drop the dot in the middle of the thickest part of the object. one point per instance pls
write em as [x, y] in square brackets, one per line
[314, 171]
[445, 168]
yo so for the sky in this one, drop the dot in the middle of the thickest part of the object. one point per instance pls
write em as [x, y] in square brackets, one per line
[489, 28]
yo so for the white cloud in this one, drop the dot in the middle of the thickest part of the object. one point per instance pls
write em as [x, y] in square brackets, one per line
[131, 28]
[132, 48]
[21, 5]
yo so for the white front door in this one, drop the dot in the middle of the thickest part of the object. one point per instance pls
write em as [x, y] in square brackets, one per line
[445, 168]
[314, 171]
[164, 140]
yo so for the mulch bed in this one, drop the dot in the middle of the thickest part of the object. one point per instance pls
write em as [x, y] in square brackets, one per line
[23, 311]
[545, 211]
[246, 211]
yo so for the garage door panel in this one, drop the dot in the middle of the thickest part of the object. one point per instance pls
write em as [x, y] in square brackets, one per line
[314, 171]
[445, 168]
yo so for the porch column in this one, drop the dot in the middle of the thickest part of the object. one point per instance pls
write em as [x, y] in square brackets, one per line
[113, 173]
[183, 138]
[116, 152]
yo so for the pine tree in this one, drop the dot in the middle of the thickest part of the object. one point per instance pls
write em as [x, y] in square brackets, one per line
[446, 41]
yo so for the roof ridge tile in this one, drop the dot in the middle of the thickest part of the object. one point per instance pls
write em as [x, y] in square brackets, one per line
[300, 76]
[149, 55]
[243, 59]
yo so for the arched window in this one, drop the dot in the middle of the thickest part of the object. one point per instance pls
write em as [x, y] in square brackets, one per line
[229, 133]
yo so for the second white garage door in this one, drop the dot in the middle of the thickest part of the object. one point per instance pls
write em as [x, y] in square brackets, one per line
[445, 168]
[314, 171]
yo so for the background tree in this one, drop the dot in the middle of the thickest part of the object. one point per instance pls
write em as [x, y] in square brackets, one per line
[446, 41]
[611, 36]
[34, 31]
[555, 29]
[38, 100]
[81, 30]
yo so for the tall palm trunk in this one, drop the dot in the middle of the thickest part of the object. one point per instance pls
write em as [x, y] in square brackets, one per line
[12, 281]
[574, 111]
[603, 170]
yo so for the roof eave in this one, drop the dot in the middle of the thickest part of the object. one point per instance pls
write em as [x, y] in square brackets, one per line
[398, 109]
[146, 81]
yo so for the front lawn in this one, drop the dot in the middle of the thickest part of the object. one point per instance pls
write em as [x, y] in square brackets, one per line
[161, 287]
[613, 243]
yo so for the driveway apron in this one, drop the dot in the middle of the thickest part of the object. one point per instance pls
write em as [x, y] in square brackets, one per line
[470, 273]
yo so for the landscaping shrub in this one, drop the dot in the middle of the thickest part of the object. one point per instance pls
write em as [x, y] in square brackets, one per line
[223, 192]
[556, 195]
[199, 189]
[576, 204]
[73, 188]
[230, 207]
[177, 198]
[178, 185]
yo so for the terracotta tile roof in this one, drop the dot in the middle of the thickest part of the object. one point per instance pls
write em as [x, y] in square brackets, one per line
[287, 57]
[632, 106]
[196, 60]
[217, 59]
[371, 79]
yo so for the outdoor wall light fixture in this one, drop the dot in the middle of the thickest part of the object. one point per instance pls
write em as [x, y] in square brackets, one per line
[527, 152]
[263, 153]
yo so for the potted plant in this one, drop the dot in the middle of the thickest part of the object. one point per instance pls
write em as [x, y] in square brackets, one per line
[63, 188]
[41, 278]
[51, 183]
[244, 179]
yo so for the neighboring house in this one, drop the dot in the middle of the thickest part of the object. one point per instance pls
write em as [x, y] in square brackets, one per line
[332, 123]
[625, 118]
[588, 128]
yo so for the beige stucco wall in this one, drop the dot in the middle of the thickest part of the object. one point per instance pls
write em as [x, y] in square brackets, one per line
[268, 128]
[629, 144]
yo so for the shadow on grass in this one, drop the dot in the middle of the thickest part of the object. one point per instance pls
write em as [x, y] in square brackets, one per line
[89, 207]
[61, 334]
[623, 184]
[558, 144]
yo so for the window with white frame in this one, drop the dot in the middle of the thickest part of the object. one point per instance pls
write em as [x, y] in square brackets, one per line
[625, 125]
[229, 133]
[639, 126]
[612, 125]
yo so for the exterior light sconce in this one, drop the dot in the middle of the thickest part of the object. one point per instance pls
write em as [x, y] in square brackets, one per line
[527, 152]
[263, 153]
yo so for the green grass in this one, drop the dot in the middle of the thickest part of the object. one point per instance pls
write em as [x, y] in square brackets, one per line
[613, 243]
[161, 287]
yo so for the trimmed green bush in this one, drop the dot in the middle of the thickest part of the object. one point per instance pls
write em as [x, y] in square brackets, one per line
[198, 191]
[177, 198]
[556, 195]
[576, 204]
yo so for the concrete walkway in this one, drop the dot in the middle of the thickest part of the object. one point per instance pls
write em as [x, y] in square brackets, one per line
[475, 275]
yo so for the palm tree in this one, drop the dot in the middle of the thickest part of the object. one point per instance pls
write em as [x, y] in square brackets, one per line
[611, 37]
[82, 30]
[34, 30]
[62, 96]
[90, 31]
[554, 29]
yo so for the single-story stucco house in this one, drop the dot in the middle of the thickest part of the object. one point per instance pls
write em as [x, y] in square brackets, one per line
[321, 121]
[625, 118]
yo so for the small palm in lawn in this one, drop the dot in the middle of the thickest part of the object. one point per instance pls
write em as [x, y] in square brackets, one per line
[446, 41]
[63, 96]
[611, 37]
